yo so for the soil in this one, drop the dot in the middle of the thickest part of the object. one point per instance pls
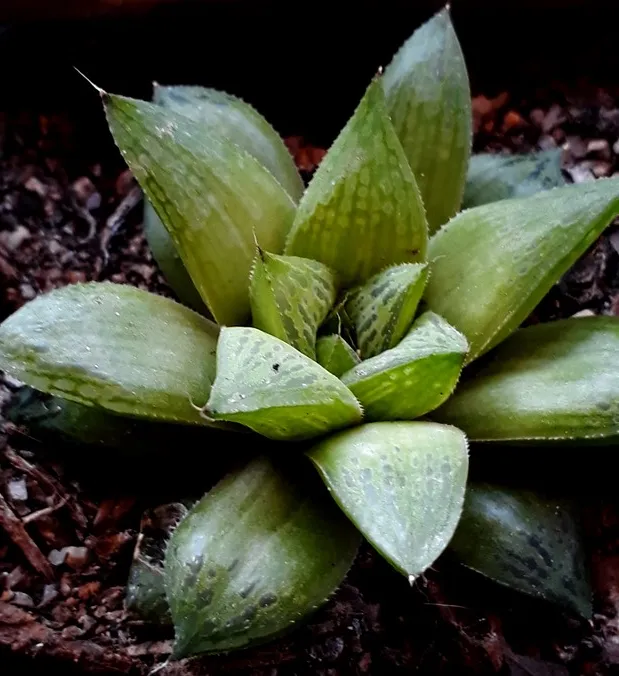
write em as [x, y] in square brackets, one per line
[69, 521]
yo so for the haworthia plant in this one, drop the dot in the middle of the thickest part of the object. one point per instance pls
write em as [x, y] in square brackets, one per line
[346, 320]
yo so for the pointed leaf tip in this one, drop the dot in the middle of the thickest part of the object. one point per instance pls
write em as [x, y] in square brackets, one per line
[290, 297]
[379, 474]
[363, 191]
[211, 195]
[280, 393]
[428, 98]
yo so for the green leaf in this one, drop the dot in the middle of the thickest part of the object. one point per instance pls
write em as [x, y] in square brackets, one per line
[290, 298]
[259, 553]
[401, 483]
[382, 310]
[214, 198]
[276, 390]
[525, 541]
[170, 262]
[362, 210]
[498, 176]
[233, 119]
[557, 380]
[114, 346]
[228, 117]
[335, 354]
[429, 101]
[414, 377]
[493, 264]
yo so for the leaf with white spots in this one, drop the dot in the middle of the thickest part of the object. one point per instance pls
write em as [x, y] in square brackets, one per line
[257, 555]
[383, 309]
[401, 483]
[214, 198]
[492, 265]
[272, 388]
[530, 542]
[335, 354]
[498, 176]
[362, 210]
[553, 381]
[115, 346]
[414, 377]
[290, 298]
[429, 100]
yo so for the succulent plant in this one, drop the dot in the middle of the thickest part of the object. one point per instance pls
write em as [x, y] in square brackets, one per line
[354, 336]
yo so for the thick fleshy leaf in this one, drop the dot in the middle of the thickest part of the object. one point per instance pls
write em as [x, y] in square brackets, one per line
[146, 595]
[269, 386]
[214, 198]
[290, 298]
[498, 176]
[429, 100]
[335, 354]
[525, 541]
[114, 346]
[414, 377]
[228, 117]
[362, 209]
[401, 483]
[494, 263]
[232, 118]
[382, 310]
[259, 553]
[558, 380]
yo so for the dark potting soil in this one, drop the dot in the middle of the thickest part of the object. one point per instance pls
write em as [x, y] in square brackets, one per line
[69, 521]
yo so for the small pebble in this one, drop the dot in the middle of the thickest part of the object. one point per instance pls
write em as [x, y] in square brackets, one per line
[77, 557]
[50, 593]
[584, 313]
[22, 599]
[554, 117]
[34, 185]
[600, 169]
[15, 238]
[17, 490]
[599, 146]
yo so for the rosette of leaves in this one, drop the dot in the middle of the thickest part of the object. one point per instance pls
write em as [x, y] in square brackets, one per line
[362, 332]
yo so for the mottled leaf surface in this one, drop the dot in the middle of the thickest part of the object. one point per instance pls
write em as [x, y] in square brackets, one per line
[496, 176]
[170, 262]
[335, 354]
[290, 298]
[429, 100]
[214, 198]
[414, 377]
[383, 309]
[114, 346]
[401, 483]
[230, 117]
[494, 263]
[362, 209]
[261, 551]
[557, 380]
[269, 386]
[525, 541]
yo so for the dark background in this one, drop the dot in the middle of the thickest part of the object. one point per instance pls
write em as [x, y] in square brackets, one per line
[303, 65]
